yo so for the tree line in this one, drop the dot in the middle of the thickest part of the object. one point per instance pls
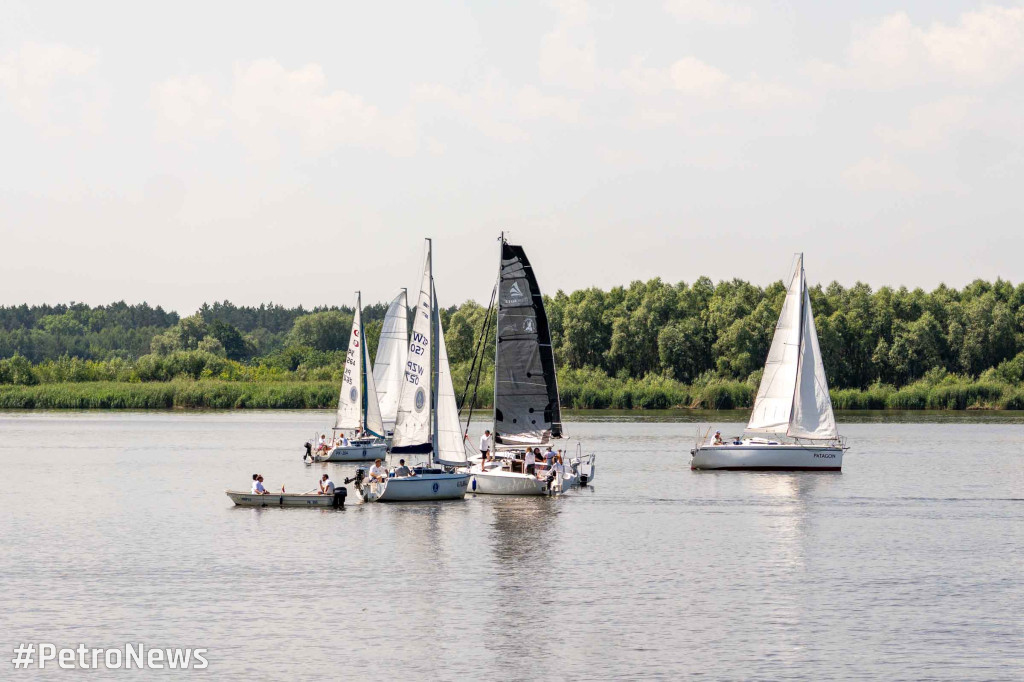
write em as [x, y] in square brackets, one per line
[688, 334]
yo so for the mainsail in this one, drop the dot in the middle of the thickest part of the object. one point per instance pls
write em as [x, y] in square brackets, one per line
[357, 402]
[412, 426]
[350, 400]
[526, 407]
[392, 349]
[451, 446]
[793, 398]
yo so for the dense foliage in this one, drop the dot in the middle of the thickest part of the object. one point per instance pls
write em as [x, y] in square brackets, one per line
[651, 344]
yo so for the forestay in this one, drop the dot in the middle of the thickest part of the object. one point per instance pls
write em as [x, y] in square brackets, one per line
[526, 408]
[412, 426]
[392, 350]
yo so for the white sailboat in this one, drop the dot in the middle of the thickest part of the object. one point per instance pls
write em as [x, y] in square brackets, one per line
[358, 408]
[527, 412]
[389, 365]
[427, 419]
[792, 426]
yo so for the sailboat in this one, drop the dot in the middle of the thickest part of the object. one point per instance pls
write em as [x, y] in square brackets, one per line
[389, 365]
[427, 421]
[527, 413]
[792, 426]
[358, 409]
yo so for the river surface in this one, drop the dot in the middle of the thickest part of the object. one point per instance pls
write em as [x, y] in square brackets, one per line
[907, 565]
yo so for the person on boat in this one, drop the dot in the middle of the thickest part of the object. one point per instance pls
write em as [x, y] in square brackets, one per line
[530, 461]
[485, 446]
[255, 484]
[377, 472]
[403, 471]
[344, 441]
[322, 445]
[258, 487]
[326, 485]
[718, 439]
[549, 456]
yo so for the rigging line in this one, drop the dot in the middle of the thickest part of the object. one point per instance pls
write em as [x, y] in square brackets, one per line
[480, 367]
[477, 354]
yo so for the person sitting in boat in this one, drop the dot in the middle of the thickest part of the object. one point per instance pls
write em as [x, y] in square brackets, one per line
[485, 446]
[257, 487]
[255, 483]
[322, 445]
[326, 485]
[717, 439]
[549, 456]
[344, 441]
[377, 472]
[403, 471]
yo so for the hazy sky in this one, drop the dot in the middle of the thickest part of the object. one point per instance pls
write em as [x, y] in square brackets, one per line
[197, 151]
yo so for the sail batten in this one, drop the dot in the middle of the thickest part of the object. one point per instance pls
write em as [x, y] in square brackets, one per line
[792, 399]
[526, 404]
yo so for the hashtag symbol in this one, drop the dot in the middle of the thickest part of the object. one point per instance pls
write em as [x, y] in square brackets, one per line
[23, 655]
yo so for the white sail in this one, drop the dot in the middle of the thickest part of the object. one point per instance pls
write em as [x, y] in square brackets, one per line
[389, 366]
[451, 446]
[774, 402]
[350, 400]
[372, 421]
[412, 425]
[812, 407]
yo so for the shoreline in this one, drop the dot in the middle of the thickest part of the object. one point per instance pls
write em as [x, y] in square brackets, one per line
[204, 394]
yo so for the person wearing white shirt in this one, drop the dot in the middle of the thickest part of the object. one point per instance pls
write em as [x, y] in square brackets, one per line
[530, 461]
[485, 445]
[326, 485]
[377, 472]
[255, 484]
[344, 441]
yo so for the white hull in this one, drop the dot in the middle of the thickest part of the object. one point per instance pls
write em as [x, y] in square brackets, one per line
[498, 482]
[766, 457]
[416, 488]
[355, 453]
[244, 499]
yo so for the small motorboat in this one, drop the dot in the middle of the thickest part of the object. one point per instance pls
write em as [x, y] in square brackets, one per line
[281, 499]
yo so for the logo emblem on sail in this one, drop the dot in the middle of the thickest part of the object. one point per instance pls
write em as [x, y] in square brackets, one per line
[528, 325]
[353, 395]
[421, 399]
[514, 290]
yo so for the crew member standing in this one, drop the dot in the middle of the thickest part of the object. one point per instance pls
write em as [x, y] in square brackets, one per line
[485, 447]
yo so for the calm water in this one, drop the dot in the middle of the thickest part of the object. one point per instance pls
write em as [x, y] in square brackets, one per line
[908, 565]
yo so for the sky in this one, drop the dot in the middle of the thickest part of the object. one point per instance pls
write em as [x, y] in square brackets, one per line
[296, 152]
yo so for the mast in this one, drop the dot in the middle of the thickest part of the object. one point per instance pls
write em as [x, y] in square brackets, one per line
[433, 354]
[800, 339]
[362, 363]
[494, 399]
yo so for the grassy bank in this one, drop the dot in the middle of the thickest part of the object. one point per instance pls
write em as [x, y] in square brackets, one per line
[577, 392]
[171, 394]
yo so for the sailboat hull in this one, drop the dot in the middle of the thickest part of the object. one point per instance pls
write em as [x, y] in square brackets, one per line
[356, 453]
[768, 457]
[416, 488]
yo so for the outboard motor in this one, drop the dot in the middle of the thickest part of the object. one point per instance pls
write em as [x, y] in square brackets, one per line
[358, 478]
[340, 493]
[309, 451]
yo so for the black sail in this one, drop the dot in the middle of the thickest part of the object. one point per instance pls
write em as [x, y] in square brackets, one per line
[526, 410]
